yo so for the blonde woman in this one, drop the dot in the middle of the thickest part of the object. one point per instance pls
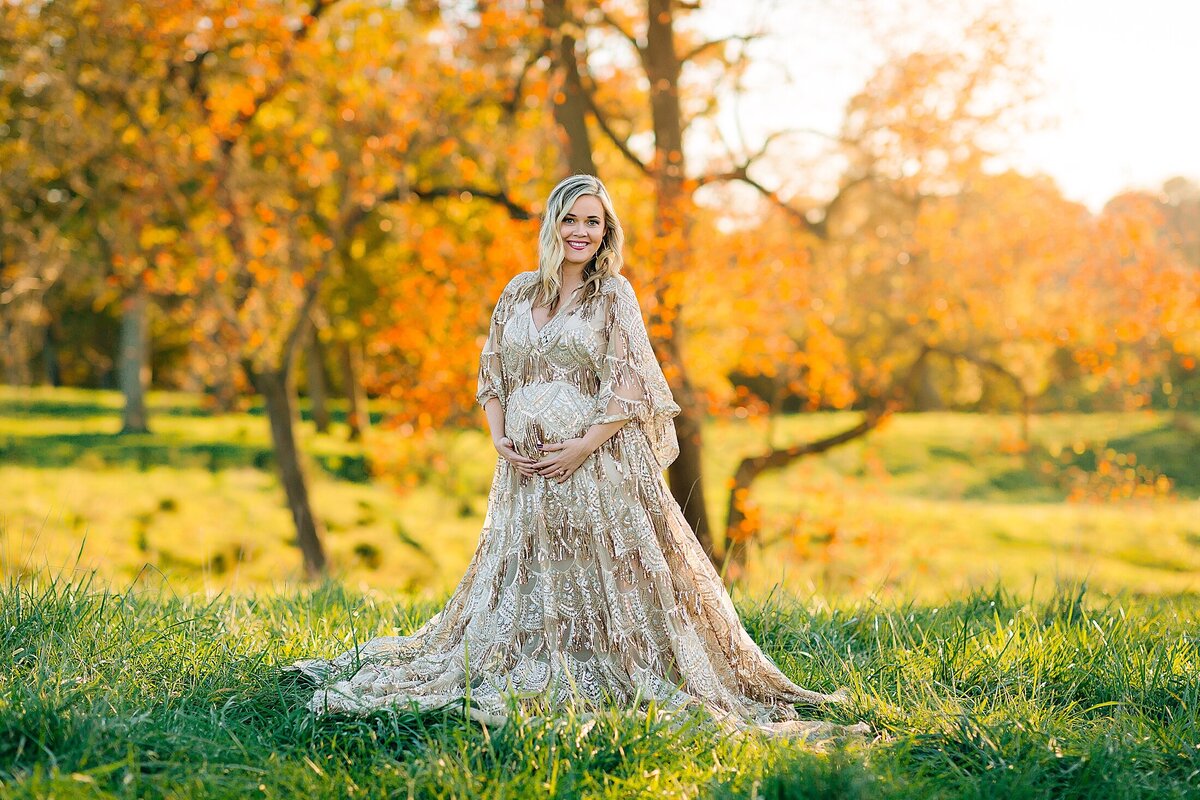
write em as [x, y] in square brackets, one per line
[587, 584]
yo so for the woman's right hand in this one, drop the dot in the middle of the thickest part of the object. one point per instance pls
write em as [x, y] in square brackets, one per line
[507, 450]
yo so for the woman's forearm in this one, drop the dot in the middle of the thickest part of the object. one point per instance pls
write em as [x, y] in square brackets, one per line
[601, 432]
[495, 418]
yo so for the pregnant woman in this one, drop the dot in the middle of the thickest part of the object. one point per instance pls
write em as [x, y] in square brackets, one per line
[587, 585]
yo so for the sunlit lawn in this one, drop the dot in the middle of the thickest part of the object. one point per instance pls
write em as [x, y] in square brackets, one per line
[135, 693]
[932, 504]
[198, 499]
[910, 561]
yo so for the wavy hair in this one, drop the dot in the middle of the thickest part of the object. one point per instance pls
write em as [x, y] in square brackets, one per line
[552, 251]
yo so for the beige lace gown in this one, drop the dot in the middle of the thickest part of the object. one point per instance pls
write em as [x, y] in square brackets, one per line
[592, 589]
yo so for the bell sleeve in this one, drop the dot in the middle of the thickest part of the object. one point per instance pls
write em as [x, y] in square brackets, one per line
[491, 372]
[632, 385]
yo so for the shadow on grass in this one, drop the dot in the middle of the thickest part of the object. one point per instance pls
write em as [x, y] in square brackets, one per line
[83, 404]
[1165, 450]
[144, 451]
[950, 454]
[66, 408]
[45, 407]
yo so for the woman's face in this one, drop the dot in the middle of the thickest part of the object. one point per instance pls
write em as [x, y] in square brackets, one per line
[582, 229]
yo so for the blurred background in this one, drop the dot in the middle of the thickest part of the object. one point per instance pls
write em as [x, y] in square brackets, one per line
[924, 276]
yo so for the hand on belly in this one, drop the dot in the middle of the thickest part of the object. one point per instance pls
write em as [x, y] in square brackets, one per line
[544, 413]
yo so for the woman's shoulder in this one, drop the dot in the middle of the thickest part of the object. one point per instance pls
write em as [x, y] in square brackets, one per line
[615, 283]
[619, 289]
[522, 279]
[519, 282]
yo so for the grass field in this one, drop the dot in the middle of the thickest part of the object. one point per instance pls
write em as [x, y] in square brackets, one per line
[929, 506]
[134, 693]
[150, 594]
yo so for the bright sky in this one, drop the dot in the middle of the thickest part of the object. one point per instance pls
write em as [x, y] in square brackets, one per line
[1122, 82]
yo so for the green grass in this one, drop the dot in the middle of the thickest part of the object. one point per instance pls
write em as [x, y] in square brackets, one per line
[139, 693]
[944, 502]
[170, 687]
[198, 498]
[931, 504]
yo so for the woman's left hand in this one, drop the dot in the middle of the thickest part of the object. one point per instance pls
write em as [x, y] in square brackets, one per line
[562, 459]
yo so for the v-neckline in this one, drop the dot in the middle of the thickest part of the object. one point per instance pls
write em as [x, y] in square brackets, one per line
[562, 313]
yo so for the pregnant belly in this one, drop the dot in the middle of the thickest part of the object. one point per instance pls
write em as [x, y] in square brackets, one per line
[546, 412]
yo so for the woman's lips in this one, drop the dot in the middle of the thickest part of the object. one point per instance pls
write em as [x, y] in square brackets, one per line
[578, 245]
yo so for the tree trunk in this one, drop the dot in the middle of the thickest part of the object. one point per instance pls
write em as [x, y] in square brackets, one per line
[929, 396]
[222, 389]
[276, 389]
[671, 226]
[571, 113]
[357, 414]
[51, 367]
[133, 360]
[739, 528]
[12, 350]
[1026, 413]
[318, 388]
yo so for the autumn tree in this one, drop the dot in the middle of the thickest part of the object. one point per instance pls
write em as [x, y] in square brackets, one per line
[932, 277]
[877, 308]
[37, 212]
[1134, 330]
[46, 163]
[258, 138]
[1180, 201]
[304, 148]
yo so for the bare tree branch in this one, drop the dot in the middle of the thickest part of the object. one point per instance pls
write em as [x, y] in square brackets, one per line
[303, 317]
[621, 144]
[741, 173]
[626, 34]
[500, 197]
[511, 103]
[744, 38]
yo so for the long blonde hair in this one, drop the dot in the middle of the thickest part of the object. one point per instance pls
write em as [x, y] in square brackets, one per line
[551, 251]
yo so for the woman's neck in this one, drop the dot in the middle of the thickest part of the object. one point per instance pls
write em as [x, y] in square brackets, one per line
[570, 278]
[570, 274]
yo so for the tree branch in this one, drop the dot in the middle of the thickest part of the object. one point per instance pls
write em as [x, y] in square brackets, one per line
[627, 34]
[987, 364]
[745, 38]
[622, 145]
[511, 103]
[302, 320]
[752, 467]
[499, 197]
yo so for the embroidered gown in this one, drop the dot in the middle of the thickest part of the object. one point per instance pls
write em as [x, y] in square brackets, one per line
[595, 588]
